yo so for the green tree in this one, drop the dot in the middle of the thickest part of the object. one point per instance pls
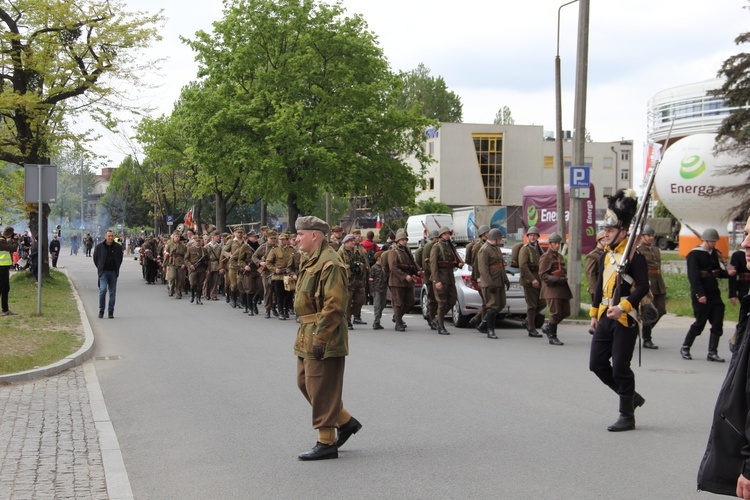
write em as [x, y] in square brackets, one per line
[504, 116]
[430, 96]
[734, 133]
[124, 201]
[59, 60]
[314, 100]
[661, 210]
[429, 206]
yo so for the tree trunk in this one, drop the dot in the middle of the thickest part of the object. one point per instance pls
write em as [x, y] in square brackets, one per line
[263, 213]
[221, 213]
[43, 246]
[292, 209]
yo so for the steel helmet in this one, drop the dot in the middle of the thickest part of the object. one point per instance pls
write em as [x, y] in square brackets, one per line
[495, 234]
[648, 231]
[533, 230]
[710, 234]
[483, 229]
[555, 238]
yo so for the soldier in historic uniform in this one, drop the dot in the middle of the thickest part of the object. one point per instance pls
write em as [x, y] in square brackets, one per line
[357, 305]
[492, 278]
[174, 256]
[263, 235]
[246, 283]
[253, 275]
[704, 270]
[614, 310]
[591, 263]
[356, 263]
[739, 284]
[196, 261]
[379, 288]
[322, 339]
[472, 252]
[529, 256]
[213, 251]
[555, 290]
[424, 263]
[280, 262]
[229, 254]
[443, 260]
[259, 258]
[337, 236]
[401, 281]
[658, 288]
[150, 258]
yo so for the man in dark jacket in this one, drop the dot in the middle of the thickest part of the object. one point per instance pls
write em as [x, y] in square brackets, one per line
[107, 259]
[54, 250]
[725, 467]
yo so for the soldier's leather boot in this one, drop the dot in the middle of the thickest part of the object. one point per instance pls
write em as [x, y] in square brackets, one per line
[198, 299]
[255, 308]
[233, 299]
[545, 329]
[358, 321]
[474, 321]
[533, 333]
[713, 348]
[647, 342]
[282, 315]
[268, 313]
[441, 328]
[482, 326]
[552, 335]
[685, 352]
[433, 324]
[246, 302]
[714, 356]
[226, 296]
[626, 420]
[275, 311]
[192, 297]
[250, 306]
[489, 318]
[320, 452]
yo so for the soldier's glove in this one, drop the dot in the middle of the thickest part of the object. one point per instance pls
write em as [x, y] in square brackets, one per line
[492, 288]
[507, 285]
[319, 351]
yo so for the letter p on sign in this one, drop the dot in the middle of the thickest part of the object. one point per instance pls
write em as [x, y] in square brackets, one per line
[579, 177]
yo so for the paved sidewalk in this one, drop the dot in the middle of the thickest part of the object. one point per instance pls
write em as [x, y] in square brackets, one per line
[48, 440]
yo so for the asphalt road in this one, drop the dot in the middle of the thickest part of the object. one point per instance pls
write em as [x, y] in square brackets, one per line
[205, 405]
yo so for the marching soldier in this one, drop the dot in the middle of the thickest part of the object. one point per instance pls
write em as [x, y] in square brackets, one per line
[357, 306]
[263, 235]
[174, 257]
[555, 289]
[259, 258]
[229, 254]
[427, 278]
[739, 284]
[150, 260]
[403, 268]
[658, 288]
[443, 259]
[357, 265]
[196, 261]
[613, 310]
[337, 235]
[493, 279]
[472, 251]
[703, 271]
[246, 283]
[591, 263]
[529, 256]
[280, 262]
[213, 250]
[256, 280]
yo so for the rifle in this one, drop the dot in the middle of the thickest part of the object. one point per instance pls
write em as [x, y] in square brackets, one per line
[722, 260]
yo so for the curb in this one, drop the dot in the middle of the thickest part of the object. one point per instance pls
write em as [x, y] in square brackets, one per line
[75, 359]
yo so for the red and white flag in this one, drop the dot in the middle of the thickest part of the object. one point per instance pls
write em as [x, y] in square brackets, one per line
[378, 224]
[189, 223]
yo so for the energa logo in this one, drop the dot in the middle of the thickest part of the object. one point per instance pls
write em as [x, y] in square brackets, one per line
[532, 215]
[691, 167]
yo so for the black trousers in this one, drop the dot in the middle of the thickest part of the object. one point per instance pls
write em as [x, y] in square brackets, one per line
[284, 298]
[712, 311]
[614, 342]
[4, 286]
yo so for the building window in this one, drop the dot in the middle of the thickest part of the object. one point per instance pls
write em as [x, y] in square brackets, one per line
[567, 162]
[588, 162]
[607, 162]
[549, 162]
[489, 149]
[625, 156]
[432, 184]
[624, 174]
[432, 148]
[607, 192]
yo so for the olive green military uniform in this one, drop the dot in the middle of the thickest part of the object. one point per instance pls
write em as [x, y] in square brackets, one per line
[555, 289]
[442, 262]
[248, 277]
[493, 278]
[259, 258]
[357, 266]
[591, 269]
[280, 262]
[196, 261]
[528, 263]
[472, 257]
[656, 283]
[432, 303]
[229, 253]
[175, 260]
[213, 251]
[402, 267]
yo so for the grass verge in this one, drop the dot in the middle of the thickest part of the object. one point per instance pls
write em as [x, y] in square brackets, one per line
[28, 341]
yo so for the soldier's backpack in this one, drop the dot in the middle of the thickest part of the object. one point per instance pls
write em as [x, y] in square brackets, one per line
[371, 255]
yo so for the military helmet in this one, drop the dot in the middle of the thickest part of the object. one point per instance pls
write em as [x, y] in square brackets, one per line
[710, 234]
[555, 238]
[495, 234]
[401, 235]
[532, 230]
[483, 229]
[433, 234]
[443, 230]
[648, 231]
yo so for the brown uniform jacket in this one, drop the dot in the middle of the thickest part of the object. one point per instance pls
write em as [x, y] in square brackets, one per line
[491, 266]
[653, 261]
[442, 263]
[177, 252]
[231, 251]
[554, 276]
[402, 264]
[245, 258]
[214, 256]
[195, 254]
[280, 258]
[260, 255]
[591, 267]
[528, 262]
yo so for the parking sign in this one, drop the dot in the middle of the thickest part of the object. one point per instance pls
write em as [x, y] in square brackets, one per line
[579, 177]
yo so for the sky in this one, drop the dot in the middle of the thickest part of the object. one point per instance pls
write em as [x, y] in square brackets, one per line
[496, 53]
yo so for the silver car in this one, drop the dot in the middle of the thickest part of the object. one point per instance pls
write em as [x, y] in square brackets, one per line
[469, 302]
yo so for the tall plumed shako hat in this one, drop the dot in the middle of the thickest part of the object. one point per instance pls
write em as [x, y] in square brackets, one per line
[622, 208]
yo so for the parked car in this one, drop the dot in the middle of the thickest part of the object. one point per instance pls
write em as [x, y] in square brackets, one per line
[469, 302]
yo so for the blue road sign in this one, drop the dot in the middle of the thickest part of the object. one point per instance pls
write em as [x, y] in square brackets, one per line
[170, 219]
[580, 177]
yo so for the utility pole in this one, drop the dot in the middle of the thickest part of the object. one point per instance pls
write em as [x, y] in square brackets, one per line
[579, 141]
[82, 209]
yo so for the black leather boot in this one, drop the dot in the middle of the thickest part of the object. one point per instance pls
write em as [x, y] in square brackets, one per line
[534, 333]
[685, 352]
[552, 335]
[441, 329]
[489, 318]
[245, 303]
[275, 311]
[433, 324]
[713, 348]
[281, 314]
[714, 356]
[227, 297]
[250, 306]
[192, 297]
[198, 299]
[482, 326]
[626, 420]
[320, 452]
[268, 313]
[255, 308]
[233, 299]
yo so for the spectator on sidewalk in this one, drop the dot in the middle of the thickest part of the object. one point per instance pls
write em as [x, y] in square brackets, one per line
[54, 250]
[107, 259]
[8, 245]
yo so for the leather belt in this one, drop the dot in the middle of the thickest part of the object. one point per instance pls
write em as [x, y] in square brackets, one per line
[496, 266]
[709, 274]
[654, 271]
[308, 318]
[744, 276]
[445, 265]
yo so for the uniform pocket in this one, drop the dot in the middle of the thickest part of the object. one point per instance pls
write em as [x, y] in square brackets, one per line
[730, 424]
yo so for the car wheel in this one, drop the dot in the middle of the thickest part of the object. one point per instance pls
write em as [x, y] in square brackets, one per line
[459, 320]
[425, 302]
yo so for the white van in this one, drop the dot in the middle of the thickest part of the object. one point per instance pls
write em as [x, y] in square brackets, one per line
[417, 226]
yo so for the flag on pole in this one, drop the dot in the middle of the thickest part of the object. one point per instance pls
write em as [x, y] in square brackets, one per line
[378, 224]
[189, 219]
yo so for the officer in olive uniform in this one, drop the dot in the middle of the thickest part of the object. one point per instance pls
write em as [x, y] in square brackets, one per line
[424, 263]
[472, 251]
[614, 310]
[230, 252]
[246, 282]
[357, 304]
[280, 262]
[174, 256]
[255, 280]
[356, 263]
[196, 262]
[443, 260]
[213, 251]
[493, 278]
[555, 289]
[259, 258]
[529, 255]
[337, 236]
[322, 339]
[403, 269]
[591, 263]
[656, 282]
[703, 270]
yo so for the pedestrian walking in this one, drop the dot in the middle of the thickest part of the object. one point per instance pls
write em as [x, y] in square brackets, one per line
[108, 259]
[322, 342]
[8, 244]
[54, 250]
